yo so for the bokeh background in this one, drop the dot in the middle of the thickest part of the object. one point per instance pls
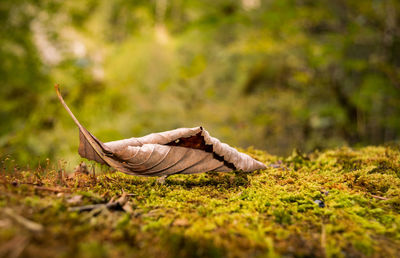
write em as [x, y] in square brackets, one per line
[273, 74]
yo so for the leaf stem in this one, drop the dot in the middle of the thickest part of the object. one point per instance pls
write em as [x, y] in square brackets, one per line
[57, 87]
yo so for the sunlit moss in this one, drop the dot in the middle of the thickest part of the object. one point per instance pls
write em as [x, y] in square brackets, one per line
[342, 202]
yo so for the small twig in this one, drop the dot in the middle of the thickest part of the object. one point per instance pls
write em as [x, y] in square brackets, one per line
[52, 189]
[112, 200]
[111, 179]
[31, 225]
[16, 183]
[379, 197]
[131, 194]
[44, 188]
[113, 205]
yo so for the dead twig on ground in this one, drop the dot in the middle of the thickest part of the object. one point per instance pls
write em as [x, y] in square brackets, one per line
[117, 205]
[43, 188]
[28, 224]
[379, 197]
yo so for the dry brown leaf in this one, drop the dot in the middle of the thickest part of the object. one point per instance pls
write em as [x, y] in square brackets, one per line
[179, 151]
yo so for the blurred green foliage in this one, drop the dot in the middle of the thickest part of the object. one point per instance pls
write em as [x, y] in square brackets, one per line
[272, 74]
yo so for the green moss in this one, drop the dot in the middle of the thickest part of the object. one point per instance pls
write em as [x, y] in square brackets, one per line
[267, 213]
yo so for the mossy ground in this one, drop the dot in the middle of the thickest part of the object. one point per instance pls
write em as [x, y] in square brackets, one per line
[337, 203]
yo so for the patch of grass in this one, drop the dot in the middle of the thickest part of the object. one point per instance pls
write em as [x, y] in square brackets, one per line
[337, 203]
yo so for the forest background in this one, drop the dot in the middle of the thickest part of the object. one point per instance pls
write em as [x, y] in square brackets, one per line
[276, 75]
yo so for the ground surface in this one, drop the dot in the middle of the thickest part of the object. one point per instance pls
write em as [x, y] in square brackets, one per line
[336, 203]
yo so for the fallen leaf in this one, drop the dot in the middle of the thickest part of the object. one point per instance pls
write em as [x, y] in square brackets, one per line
[179, 151]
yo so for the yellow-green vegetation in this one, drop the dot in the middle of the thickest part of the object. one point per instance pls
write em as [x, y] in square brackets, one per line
[337, 203]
